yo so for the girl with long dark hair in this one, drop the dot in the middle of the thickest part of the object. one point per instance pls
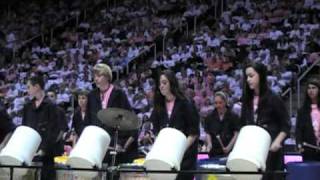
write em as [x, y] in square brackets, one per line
[308, 122]
[262, 107]
[173, 109]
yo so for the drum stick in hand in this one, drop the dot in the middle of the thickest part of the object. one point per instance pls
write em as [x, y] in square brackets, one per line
[311, 146]
[220, 141]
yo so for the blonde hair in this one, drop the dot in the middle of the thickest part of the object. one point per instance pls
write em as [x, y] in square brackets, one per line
[223, 96]
[104, 70]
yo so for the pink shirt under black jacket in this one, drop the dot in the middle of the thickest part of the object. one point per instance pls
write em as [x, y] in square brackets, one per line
[271, 114]
[305, 133]
[185, 118]
[117, 99]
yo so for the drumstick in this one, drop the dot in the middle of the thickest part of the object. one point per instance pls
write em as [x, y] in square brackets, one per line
[220, 141]
[311, 146]
[114, 149]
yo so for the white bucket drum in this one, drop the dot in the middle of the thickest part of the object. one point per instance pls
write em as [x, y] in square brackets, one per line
[166, 153]
[250, 152]
[89, 151]
[20, 149]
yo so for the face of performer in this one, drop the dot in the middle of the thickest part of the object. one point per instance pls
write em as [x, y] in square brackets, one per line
[220, 104]
[313, 92]
[32, 89]
[52, 96]
[82, 100]
[164, 86]
[252, 79]
[101, 81]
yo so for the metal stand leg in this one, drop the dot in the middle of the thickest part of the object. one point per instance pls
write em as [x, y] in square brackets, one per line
[11, 173]
[114, 153]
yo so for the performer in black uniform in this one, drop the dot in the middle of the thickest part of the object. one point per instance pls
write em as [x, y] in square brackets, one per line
[6, 125]
[42, 115]
[80, 117]
[308, 122]
[173, 109]
[263, 108]
[106, 96]
[62, 119]
[221, 126]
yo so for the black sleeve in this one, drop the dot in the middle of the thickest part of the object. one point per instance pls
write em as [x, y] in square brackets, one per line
[244, 115]
[236, 124]
[76, 123]
[154, 119]
[193, 118]
[50, 138]
[6, 125]
[62, 119]
[124, 101]
[207, 122]
[124, 104]
[24, 115]
[282, 114]
[299, 128]
[90, 110]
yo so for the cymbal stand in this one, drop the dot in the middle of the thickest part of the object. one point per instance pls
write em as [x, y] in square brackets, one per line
[114, 152]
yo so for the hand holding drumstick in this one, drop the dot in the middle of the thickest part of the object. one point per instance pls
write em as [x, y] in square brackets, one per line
[225, 149]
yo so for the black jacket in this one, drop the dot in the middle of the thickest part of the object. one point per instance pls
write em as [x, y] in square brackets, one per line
[79, 123]
[43, 119]
[225, 129]
[6, 124]
[185, 118]
[118, 99]
[272, 115]
[304, 128]
[305, 133]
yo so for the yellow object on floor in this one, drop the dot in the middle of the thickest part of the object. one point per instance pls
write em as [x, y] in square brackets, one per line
[139, 161]
[212, 177]
[61, 159]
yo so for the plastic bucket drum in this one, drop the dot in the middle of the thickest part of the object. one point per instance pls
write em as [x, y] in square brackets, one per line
[20, 149]
[250, 152]
[166, 153]
[89, 151]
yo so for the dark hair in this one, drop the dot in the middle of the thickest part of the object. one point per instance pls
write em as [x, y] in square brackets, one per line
[53, 90]
[261, 69]
[248, 94]
[159, 99]
[82, 93]
[314, 81]
[307, 101]
[37, 79]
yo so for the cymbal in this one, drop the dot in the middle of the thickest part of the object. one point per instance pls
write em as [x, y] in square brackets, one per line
[121, 118]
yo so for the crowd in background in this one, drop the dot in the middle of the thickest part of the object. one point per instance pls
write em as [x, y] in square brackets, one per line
[284, 35]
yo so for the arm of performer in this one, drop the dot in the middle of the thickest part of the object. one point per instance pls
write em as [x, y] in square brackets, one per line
[6, 126]
[128, 143]
[281, 114]
[228, 148]
[276, 144]
[193, 123]
[5, 140]
[209, 142]
[300, 131]
[191, 139]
